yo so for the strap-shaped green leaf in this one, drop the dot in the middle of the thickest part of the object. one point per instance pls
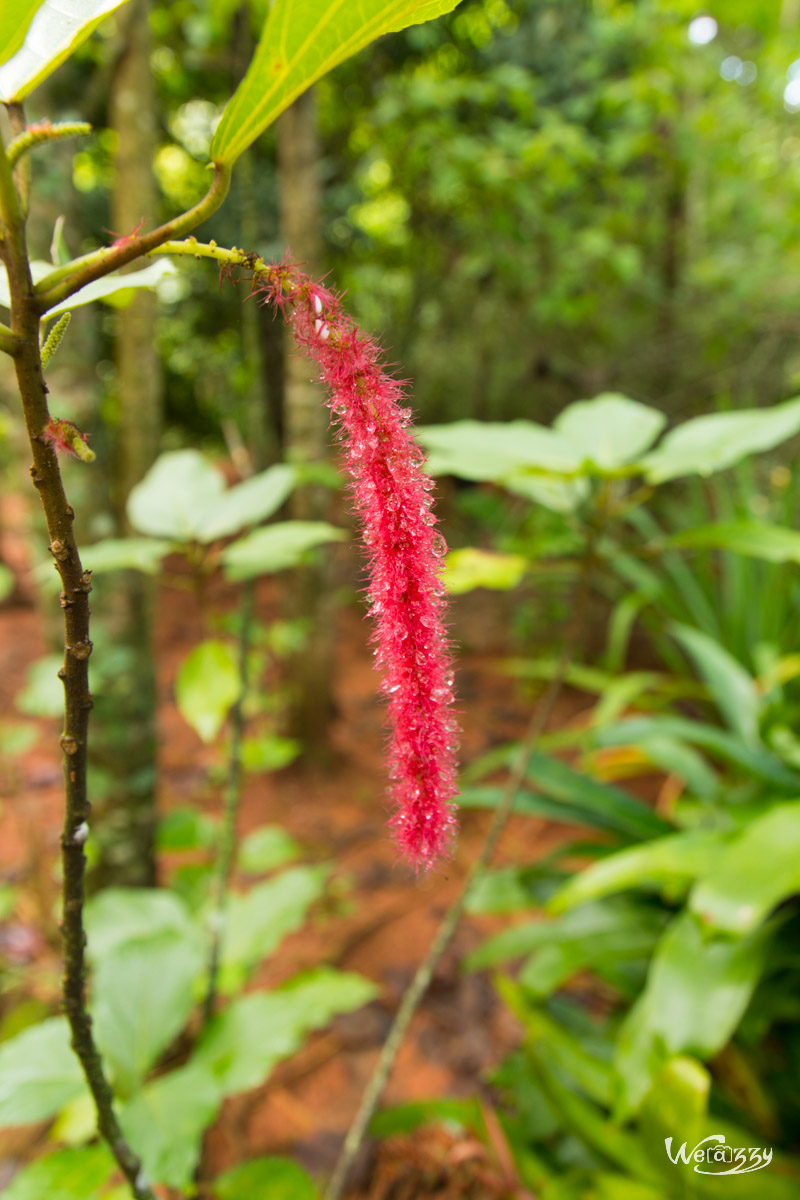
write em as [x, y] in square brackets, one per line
[302, 40]
[57, 28]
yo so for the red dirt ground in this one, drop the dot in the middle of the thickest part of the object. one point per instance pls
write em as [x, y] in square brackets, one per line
[461, 1030]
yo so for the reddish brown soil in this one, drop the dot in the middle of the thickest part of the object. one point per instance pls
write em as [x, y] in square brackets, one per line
[338, 814]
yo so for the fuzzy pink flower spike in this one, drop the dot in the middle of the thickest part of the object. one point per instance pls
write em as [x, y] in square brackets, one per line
[392, 496]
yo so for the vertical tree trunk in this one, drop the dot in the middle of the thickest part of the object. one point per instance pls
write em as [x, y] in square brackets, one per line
[124, 723]
[306, 419]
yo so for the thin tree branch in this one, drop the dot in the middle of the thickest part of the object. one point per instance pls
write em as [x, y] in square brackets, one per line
[76, 585]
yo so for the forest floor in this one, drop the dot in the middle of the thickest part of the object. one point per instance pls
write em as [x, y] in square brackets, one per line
[382, 928]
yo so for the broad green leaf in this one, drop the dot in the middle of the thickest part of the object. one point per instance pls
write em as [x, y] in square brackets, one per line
[671, 861]
[733, 689]
[269, 752]
[110, 285]
[120, 554]
[74, 1174]
[266, 848]
[756, 539]
[14, 22]
[207, 685]
[43, 693]
[39, 1073]
[166, 1120]
[610, 430]
[258, 920]
[250, 502]
[267, 1178]
[711, 443]
[491, 451]
[753, 874]
[561, 495]
[186, 829]
[303, 40]
[697, 990]
[142, 995]
[468, 569]
[118, 916]
[58, 28]
[276, 548]
[255, 1032]
[177, 498]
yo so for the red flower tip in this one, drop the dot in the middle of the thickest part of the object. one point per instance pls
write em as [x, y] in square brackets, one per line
[66, 438]
[392, 497]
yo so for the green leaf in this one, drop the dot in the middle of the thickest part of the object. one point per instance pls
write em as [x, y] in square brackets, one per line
[250, 502]
[773, 543]
[267, 1178]
[468, 569]
[751, 875]
[491, 451]
[402, 1119]
[76, 1174]
[120, 554]
[697, 990]
[142, 995]
[186, 829]
[677, 859]
[276, 548]
[178, 497]
[14, 22]
[243, 1044]
[269, 752]
[166, 1120]
[581, 938]
[118, 916]
[208, 683]
[303, 40]
[610, 430]
[110, 285]
[39, 1073]
[733, 689]
[711, 443]
[605, 806]
[58, 28]
[258, 920]
[758, 762]
[266, 848]
[676, 758]
[6, 582]
[43, 693]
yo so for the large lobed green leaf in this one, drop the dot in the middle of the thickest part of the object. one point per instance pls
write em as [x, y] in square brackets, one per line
[57, 29]
[303, 40]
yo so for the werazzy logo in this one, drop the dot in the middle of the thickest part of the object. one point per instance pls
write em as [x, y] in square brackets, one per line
[718, 1155]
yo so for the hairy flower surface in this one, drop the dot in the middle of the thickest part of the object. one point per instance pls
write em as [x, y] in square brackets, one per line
[392, 496]
[66, 438]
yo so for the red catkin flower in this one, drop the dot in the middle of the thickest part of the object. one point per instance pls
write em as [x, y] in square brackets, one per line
[65, 438]
[392, 496]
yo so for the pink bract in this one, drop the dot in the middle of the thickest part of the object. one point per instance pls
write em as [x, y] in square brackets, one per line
[392, 495]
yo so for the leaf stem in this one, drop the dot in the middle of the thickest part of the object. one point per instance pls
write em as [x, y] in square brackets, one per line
[64, 281]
